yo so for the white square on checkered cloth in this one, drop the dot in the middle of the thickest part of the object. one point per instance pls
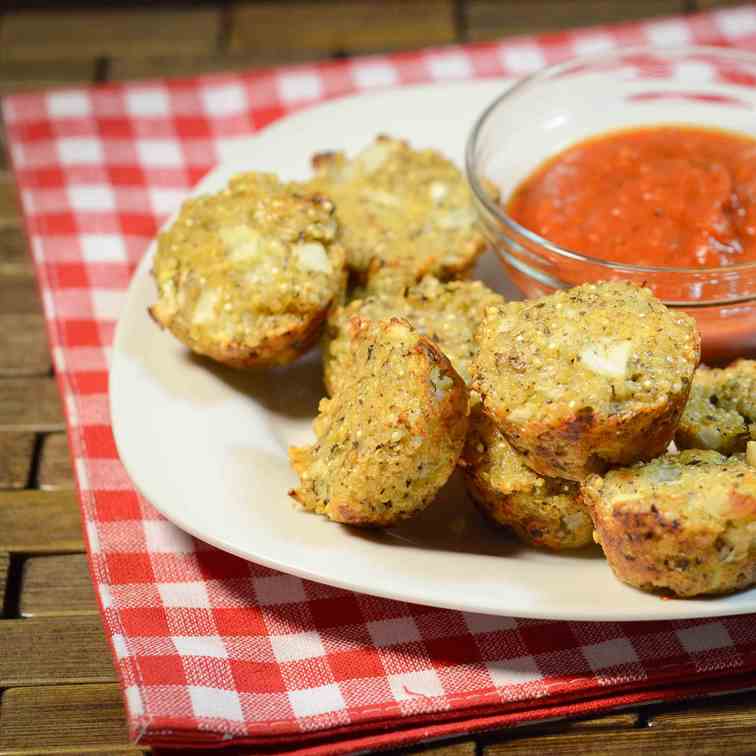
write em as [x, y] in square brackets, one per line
[522, 58]
[200, 645]
[147, 102]
[450, 66]
[392, 632]
[189, 594]
[516, 671]
[700, 638]
[279, 589]
[215, 703]
[159, 153]
[68, 104]
[91, 197]
[101, 248]
[295, 646]
[164, 537]
[374, 74]
[411, 685]
[79, 150]
[295, 87]
[610, 653]
[308, 702]
[225, 99]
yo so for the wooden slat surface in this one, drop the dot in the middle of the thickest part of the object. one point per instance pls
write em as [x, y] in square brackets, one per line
[53, 651]
[39, 522]
[490, 19]
[19, 294]
[30, 404]
[23, 345]
[55, 472]
[14, 256]
[16, 450]
[629, 743]
[8, 200]
[36, 74]
[78, 718]
[57, 586]
[85, 34]
[467, 748]
[330, 26]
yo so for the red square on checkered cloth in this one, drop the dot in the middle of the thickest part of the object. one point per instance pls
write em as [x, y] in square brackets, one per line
[211, 648]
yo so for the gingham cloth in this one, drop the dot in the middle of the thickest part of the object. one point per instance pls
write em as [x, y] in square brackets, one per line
[211, 648]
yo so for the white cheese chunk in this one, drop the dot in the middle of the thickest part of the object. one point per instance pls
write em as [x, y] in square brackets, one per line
[607, 358]
[312, 256]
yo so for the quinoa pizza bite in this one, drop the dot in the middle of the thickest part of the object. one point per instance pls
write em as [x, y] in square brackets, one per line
[721, 411]
[447, 313]
[247, 276]
[684, 523]
[541, 511]
[401, 208]
[586, 378]
[392, 435]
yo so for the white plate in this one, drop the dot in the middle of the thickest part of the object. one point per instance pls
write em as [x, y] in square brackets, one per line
[207, 446]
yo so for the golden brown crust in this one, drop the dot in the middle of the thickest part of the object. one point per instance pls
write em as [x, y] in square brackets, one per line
[684, 523]
[402, 209]
[586, 378]
[392, 435]
[247, 276]
[544, 512]
[721, 411]
[447, 313]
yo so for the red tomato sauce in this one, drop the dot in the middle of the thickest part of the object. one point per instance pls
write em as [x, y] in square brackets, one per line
[663, 195]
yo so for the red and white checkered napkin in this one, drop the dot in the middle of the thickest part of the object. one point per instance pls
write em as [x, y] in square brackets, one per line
[211, 648]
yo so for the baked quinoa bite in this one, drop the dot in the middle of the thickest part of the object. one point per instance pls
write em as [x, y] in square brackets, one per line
[544, 512]
[391, 437]
[447, 313]
[586, 378]
[685, 523]
[721, 411]
[247, 276]
[402, 208]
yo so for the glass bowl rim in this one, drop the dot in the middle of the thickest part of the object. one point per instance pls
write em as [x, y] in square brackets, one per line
[547, 72]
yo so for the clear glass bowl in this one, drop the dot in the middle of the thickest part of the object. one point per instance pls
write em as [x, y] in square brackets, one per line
[584, 97]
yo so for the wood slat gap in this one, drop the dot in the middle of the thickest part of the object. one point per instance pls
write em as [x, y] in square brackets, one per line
[4, 570]
[39, 522]
[55, 473]
[57, 586]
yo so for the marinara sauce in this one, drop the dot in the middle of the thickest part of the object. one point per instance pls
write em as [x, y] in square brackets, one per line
[660, 196]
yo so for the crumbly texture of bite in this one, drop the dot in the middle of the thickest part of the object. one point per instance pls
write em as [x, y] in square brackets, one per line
[721, 411]
[684, 522]
[401, 208]
[586, 378]
[447, 313]
[247, 276]
[541, 511]
[391, 437]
